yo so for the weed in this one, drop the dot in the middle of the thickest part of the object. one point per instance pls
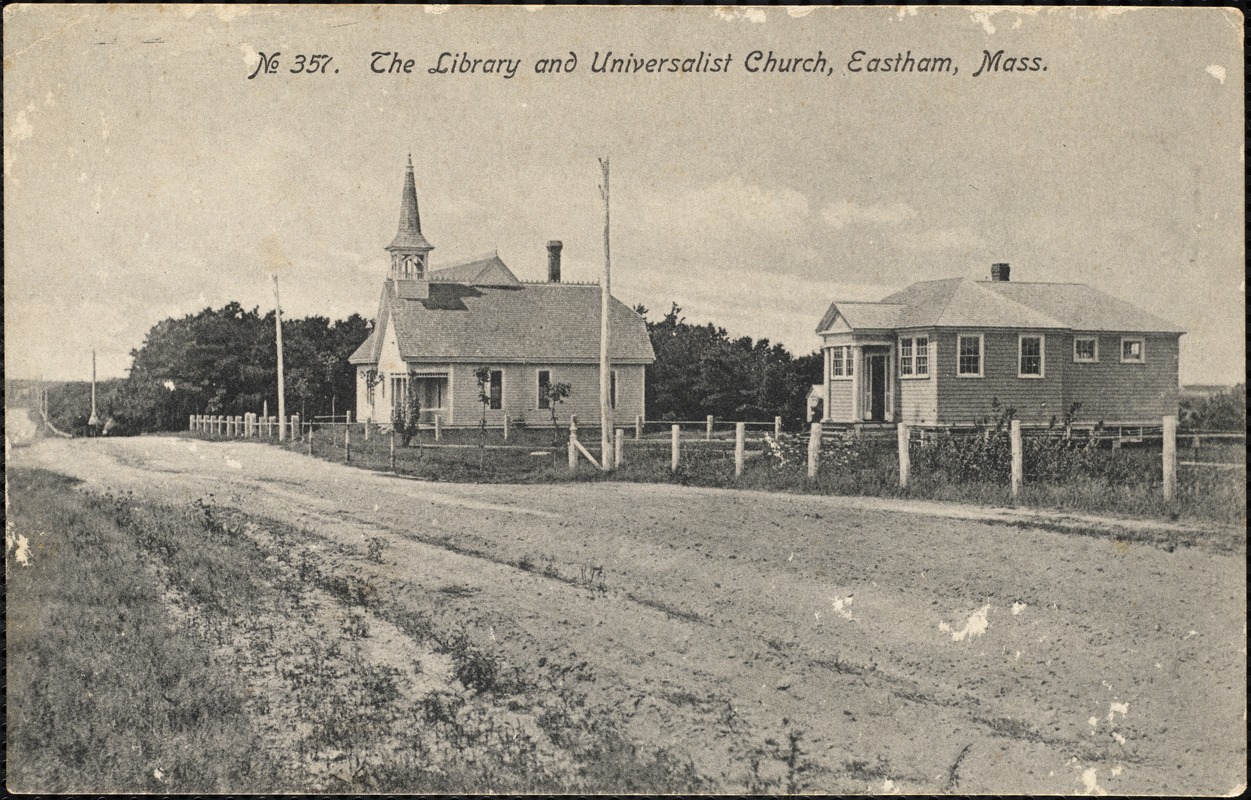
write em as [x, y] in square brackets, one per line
[375, 548]
[475, 668]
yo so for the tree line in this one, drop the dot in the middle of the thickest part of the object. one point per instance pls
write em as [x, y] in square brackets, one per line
[702, 370]
[222, 361]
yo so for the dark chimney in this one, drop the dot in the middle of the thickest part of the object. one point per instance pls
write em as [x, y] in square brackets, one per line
[553, 261]
[999, 272]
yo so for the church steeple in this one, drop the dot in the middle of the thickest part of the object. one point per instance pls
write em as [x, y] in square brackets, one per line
[410, 252]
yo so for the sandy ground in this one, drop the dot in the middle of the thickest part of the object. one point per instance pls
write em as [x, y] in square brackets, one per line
[919, 647]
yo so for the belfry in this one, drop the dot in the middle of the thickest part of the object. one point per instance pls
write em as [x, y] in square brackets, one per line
[410, 252]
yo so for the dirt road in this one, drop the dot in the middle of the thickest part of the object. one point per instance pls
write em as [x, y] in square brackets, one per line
[916, 652]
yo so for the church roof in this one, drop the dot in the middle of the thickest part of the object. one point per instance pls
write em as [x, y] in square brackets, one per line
[483, 270]
[537, 323]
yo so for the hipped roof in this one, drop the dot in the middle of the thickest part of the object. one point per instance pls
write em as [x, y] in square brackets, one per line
[963, 303]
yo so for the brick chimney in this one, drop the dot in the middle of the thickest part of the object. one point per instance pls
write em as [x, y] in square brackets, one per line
[999, 272]
[553, 261]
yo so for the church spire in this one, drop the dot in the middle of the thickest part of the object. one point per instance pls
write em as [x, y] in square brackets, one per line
[410, 252]
[409, 234]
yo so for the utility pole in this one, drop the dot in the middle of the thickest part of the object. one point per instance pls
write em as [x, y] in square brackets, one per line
[93, 421]
[282, 400]
[605, 372]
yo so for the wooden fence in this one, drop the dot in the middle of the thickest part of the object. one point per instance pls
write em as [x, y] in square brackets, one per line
[254, 426]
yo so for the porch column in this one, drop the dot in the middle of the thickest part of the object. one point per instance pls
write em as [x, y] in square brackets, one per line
[857, 369]
[829, 355]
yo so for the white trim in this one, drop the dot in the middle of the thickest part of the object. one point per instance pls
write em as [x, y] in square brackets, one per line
[981, 355]
[912, 345]
[848, 366]
[1042, 355]
[451, 394]
[1076, 359]
[857, 360]
[1142, 350]
[643, 393]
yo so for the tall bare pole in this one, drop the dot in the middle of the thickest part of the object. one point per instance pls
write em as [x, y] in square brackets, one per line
[605, 369]
[282, 395]
[93, 420]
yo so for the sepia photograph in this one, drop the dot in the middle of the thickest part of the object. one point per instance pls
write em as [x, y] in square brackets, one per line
[624, 400]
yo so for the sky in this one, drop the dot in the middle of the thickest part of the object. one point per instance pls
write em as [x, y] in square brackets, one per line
[146, 176]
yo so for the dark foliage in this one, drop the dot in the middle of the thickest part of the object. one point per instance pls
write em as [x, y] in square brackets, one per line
[1226, 411]
[222, 361]
[700, 370]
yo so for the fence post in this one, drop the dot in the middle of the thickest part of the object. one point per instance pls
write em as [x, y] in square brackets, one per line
[347, 416]
[507, 424]
[573, 448]
[814, 448]
[1170, 456]
[619, 447]
[638, 427]
[347, 442]
[708, 430]
[438, 427]
[295, 427]
[310, 438]
[905, 458]
[740, 437]
[191, 422]
[777, 428]
[676, 447]
[368, 423]
[393, 450]
[1018, 458]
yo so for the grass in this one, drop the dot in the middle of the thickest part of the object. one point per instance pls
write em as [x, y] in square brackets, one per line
[105, 691]
[195, 649]
[1129, 486]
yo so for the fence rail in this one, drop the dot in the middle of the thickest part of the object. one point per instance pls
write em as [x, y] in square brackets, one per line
[816, 439]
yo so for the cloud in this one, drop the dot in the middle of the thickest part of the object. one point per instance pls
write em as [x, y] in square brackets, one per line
[960, 238]
[727, 203]
[847, 212]
[772, 304]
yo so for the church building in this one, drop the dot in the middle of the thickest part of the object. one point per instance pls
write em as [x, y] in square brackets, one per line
[436, 328]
